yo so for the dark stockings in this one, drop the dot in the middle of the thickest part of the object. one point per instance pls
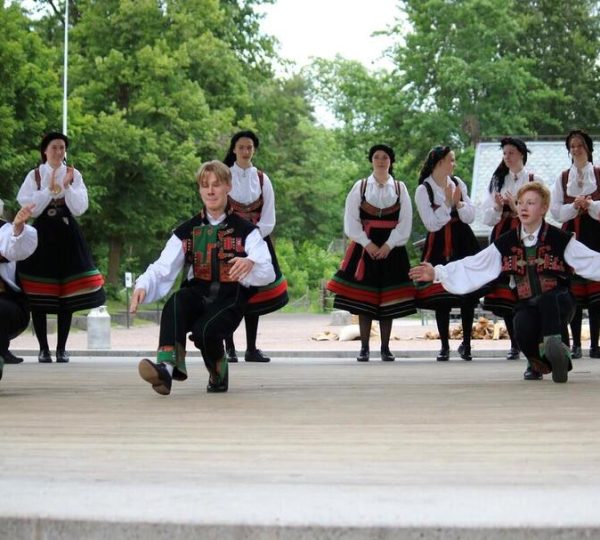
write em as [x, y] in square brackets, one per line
[576, 327]
[251, 322]
[594, 326]
[385, 329]
[40, 326]
[510, 328]
[442, 318]
[364, 323]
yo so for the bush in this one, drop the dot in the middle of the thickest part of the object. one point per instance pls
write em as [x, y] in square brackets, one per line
[305, 267]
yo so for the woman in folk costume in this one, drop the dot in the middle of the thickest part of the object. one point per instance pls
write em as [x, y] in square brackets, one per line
[252, 197]
[446, 211]
[60, 277]
[373, 281]
[540, 259]
[576, 204]
[500, 212]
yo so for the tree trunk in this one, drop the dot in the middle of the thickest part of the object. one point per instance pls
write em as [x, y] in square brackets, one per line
[115, 248]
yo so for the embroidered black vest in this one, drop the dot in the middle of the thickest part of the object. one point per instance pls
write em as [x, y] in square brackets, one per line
[209, 248]
[537, 269]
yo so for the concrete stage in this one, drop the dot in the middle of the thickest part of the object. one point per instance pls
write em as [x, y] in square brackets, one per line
[299, 448]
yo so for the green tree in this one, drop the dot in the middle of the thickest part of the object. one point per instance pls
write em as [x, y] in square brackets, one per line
[159, 85]
[30, 97]
[565, 46]
[460, 67]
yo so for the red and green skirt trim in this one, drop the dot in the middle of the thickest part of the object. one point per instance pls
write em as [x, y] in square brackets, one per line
[391, 302]
[269, 298]
[500, 300]
[431, 295]
[586, 292]
[74, 293]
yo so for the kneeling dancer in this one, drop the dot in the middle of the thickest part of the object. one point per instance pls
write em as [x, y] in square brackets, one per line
[539, 259]
[17, 242]
[224, 258]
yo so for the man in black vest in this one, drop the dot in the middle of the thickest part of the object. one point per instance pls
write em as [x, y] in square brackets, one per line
[224, 258]
[17, 242]
[539, 259]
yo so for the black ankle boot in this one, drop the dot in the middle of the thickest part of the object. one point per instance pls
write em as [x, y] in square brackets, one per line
[443, 355]
[465, 352]
[363, 356]
[44, 357]
[386, 354]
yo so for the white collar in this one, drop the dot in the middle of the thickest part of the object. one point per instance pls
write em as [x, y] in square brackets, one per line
[216, 221]
[520, 175]
[435, 185]
[530, 238]
[46, 167]
[584, 184]
[373, 180]
[236, 168]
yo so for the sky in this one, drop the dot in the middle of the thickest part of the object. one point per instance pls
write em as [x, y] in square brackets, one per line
[325, 28]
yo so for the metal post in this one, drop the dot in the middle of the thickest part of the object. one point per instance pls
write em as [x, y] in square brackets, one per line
[65, 68]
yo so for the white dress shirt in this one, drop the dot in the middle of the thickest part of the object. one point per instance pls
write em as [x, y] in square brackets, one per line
[160, 276]
[246, 189]
[471, 273]
[565, 212]
[76, 196]
[491, 214]
[379, 196]
[434, 220]
[15, 248]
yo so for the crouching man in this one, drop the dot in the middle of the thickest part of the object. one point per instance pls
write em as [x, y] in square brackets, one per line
[539, 259]
[224, 258]
[17, 242]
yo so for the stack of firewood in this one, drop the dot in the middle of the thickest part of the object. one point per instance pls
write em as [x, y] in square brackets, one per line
[482, 329]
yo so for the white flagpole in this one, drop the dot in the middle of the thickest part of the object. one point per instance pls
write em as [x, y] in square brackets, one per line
[65, 67]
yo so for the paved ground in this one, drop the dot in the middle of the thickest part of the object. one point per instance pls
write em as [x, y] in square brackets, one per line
[299, 448]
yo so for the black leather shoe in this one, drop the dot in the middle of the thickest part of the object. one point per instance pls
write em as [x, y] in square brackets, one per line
[386, 355]
[256, 356]
[157, 375]
[576, 352]
[465, 352]
[557, 354]
[10, 358]
[594, 352]
[513, 354]
[532, 375]
[231, 356]
[363, 355]
[219, 382]
[44, 357]
[62, 357]
[443, 355]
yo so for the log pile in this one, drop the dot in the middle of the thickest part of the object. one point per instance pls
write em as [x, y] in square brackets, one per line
[482, 329]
